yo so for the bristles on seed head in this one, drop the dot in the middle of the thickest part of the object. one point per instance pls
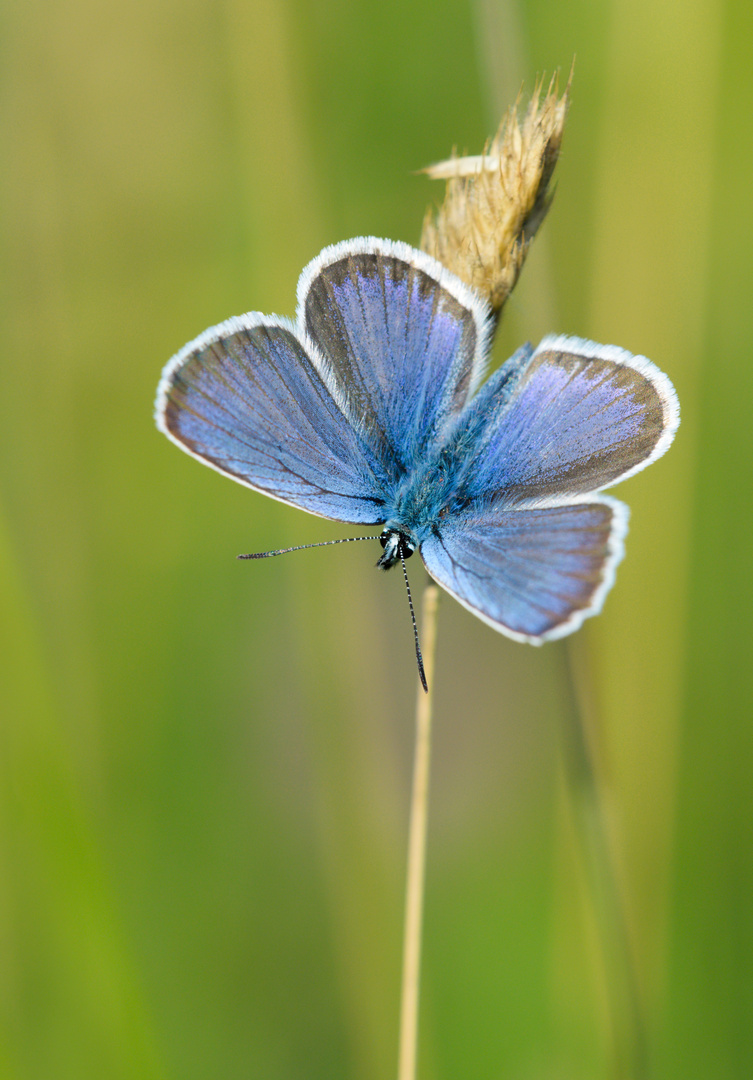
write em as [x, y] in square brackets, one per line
[495, 202]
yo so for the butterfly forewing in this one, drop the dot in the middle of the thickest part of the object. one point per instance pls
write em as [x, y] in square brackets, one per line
[579, 418]
[403, 340]
[246, 399]
[531, 574]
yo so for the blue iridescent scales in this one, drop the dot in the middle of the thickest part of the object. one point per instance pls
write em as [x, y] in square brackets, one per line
[371, 408]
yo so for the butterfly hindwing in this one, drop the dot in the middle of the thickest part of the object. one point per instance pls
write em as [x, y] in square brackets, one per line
[246, 399]
[533, 574]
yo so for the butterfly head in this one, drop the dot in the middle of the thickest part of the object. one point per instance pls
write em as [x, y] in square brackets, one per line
[397, 544]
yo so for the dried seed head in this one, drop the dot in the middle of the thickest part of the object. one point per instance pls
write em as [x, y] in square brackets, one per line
[495, 202]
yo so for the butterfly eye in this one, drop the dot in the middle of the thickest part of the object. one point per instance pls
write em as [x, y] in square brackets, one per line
[397, 545]
[407, 546]
[399, 541]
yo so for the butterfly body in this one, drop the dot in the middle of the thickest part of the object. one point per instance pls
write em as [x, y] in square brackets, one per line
[371, 409]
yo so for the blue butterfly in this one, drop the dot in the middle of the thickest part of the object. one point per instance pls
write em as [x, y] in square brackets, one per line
[370, 408]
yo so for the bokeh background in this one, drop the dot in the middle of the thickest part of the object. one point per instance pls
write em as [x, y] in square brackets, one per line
[204, 764]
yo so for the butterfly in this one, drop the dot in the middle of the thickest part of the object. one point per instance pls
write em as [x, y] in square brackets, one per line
[372, 408]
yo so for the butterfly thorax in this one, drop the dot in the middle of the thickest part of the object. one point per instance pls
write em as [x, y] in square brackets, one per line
[426, 495]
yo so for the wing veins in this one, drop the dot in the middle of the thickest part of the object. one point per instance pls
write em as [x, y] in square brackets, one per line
[483, 577]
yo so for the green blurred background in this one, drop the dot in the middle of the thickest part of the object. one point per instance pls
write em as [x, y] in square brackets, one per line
[204, 764]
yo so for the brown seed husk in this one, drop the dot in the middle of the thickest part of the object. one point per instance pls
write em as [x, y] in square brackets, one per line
[495, 202]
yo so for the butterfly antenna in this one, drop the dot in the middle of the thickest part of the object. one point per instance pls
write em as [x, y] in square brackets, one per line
[419, 658]
[301, 547]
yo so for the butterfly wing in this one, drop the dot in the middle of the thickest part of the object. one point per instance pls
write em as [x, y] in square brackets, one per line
[331, 414]
[576, 418]
[247, 399]
[403, 339]
[525, 544]
[532, 574]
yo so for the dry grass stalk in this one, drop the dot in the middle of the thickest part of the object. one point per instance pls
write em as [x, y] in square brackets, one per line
[495, 202]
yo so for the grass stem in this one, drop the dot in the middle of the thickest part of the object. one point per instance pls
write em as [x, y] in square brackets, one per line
[419, 809]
